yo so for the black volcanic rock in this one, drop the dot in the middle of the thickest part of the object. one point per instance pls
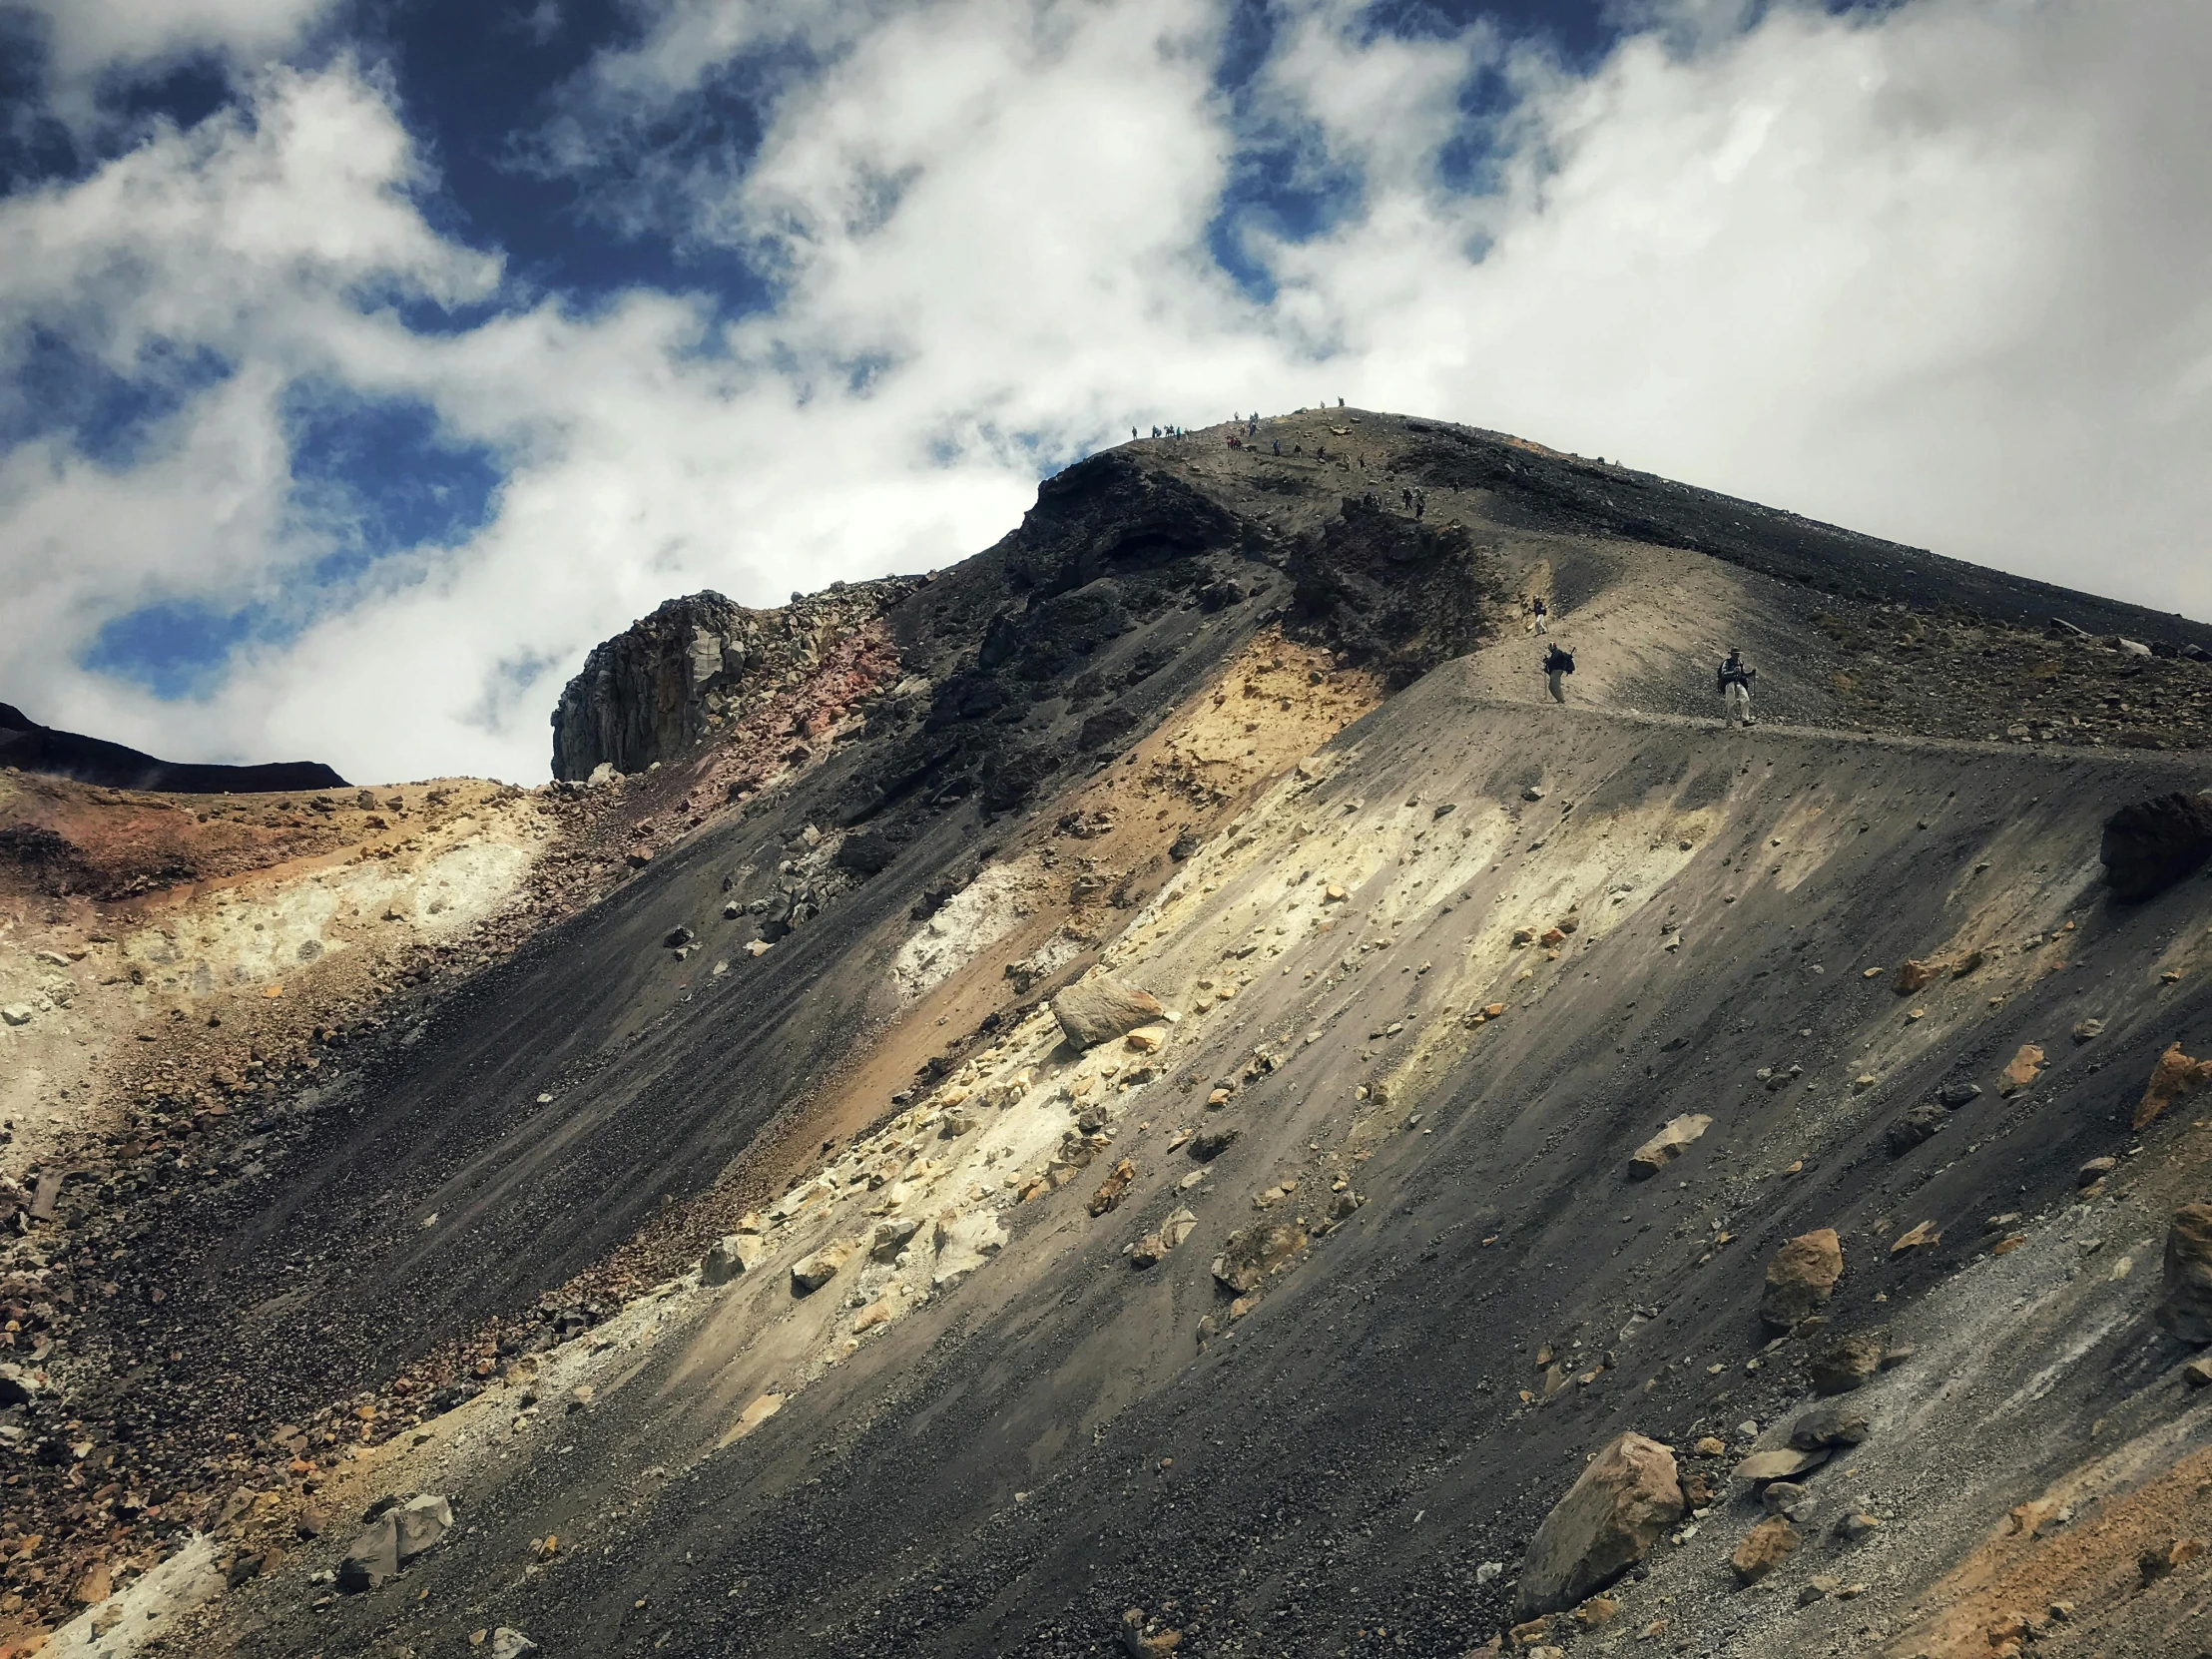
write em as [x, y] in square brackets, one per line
[2152, 845]
[26, 745]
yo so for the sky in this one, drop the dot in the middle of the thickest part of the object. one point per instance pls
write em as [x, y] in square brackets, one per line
[363, 362]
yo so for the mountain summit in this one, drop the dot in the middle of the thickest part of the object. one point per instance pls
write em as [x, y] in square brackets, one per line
[1156, 1092]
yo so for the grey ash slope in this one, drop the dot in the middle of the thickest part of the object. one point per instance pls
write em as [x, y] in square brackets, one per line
[1346, 1454]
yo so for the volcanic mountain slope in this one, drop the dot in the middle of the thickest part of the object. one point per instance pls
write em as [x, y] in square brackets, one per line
[1278, 1325]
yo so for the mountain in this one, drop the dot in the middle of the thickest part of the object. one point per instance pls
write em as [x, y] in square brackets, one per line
[30, 747]
[1151, 1092]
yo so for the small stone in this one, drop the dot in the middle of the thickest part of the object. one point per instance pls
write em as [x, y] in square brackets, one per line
[2096, 1170]
[511, 1644]
[1857, 1525]
[2198, 1372]
[1147, 1039]
[1921, 1236]
[2088, 1030]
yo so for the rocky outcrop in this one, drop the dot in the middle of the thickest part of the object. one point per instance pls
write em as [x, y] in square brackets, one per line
[693, 666]
[1621, 1505]
[2150, 845]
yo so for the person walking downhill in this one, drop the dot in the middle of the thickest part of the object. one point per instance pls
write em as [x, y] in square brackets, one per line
[1558, 665]
[1539, 610]
[1735, 687]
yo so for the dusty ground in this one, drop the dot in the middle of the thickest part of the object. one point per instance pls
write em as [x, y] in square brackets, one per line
[995, 1433]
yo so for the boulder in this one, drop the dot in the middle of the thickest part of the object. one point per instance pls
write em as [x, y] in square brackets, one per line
[1917, 975]
[372, 1556]
[2024, 1067]
[511, 1644]
[1848, 1362]
[2185, 1296]
[729, 1256]
[1783, 1464]
[2173, 1078]
[890, 1238]
[1212, 1144]
[1099, 1007]
[2151, 845]
[965, 1243]
[1620, 1506]
[811, 1273]
[1248, 1256]
[1765, 1547]
[1800, 1278]
[421, 1522]
[1828, 1425]
[1909, 1131]
[1666, 1146]
[1110, 1190]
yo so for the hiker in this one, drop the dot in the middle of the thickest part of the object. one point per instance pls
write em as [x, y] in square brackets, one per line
[1536, 609]
[1558, 665]
[1735, 687]
[1420, 504]
[1277, 442]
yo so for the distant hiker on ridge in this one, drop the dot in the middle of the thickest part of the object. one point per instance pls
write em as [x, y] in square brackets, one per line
[1558, 665]
[1735, 687]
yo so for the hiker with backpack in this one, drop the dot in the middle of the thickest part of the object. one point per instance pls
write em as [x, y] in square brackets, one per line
[1735, 687]
[1558, 665]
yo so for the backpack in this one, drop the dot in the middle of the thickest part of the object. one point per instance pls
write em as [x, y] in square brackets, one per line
[1559, 661]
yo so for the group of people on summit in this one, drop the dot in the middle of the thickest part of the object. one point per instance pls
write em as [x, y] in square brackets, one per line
[1732, 679]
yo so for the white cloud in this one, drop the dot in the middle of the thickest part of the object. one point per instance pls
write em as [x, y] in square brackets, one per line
[88, 38]
[1935, 275]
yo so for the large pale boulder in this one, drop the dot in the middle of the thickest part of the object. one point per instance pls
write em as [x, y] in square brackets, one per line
[1666, 1146]
[811, 1273]
[1099, 1007]
[2185, 1301]
[964, 1243]
[1610, 1519]
[1800, 1278]
[732, 1255]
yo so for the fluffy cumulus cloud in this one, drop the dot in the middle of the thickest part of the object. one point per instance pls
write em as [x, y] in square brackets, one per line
[1934, 272]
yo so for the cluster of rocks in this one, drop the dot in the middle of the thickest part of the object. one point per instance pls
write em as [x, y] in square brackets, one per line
[1959, 674]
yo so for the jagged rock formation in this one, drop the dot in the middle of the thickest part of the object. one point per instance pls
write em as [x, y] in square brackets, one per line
[30, 747]
[694, 666]
[764, 1270]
